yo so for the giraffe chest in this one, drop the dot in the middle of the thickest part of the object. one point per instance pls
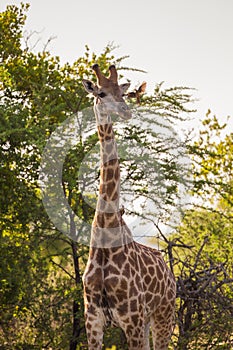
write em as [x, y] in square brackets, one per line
[126, 291]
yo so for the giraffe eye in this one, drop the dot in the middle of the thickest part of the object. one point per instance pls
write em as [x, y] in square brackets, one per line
[101, 94]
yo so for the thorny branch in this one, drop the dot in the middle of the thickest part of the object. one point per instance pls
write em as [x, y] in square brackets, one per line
[204, 296]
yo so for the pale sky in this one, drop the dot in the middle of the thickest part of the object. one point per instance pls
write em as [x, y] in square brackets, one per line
[181, 42]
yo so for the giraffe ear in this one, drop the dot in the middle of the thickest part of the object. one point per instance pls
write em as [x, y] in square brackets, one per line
[90, 87]
[124, 87]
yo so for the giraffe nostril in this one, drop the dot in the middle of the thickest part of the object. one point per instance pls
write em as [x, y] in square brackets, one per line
[124, 108]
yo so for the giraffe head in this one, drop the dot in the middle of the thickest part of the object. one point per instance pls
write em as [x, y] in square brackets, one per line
[108, 93]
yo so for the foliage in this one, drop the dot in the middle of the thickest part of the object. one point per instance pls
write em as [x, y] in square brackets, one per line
[203, 264]
[201, 250]
[213, 162]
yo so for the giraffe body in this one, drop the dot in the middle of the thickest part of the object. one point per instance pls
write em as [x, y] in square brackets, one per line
[132, 288]
[126, 284]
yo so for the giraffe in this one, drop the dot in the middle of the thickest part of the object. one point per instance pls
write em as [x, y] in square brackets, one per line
[126, 284]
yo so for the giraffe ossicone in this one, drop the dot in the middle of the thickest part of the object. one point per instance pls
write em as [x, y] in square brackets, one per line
[126, 284]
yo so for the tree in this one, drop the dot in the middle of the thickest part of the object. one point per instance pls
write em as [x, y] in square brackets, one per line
[213, 163]
[36, 277]
[201, 249]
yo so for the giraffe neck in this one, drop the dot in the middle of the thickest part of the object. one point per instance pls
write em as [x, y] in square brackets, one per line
[109, 190]
[108, 227]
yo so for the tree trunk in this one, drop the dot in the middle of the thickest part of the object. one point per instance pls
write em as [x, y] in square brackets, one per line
[76, 320]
